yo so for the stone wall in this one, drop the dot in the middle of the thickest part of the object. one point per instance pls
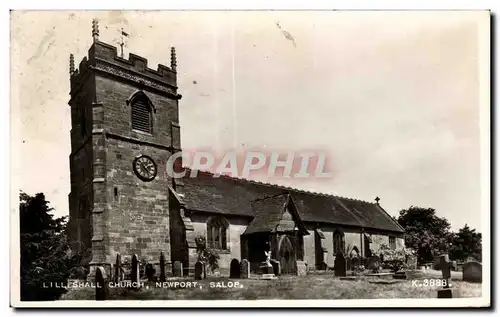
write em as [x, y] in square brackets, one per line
[237, 225]
[125, 214]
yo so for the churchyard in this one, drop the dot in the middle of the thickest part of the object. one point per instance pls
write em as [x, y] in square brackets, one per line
[350, 278]
[320, 285]
[339, 283]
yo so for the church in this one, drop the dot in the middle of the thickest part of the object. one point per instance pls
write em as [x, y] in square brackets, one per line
[125, 126]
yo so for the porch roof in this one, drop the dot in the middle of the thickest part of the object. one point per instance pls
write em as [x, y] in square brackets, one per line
[268, 215]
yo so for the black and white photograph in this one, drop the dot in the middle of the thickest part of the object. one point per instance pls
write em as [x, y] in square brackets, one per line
[327, 158]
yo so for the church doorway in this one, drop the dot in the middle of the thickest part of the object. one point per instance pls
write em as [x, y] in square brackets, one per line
[287, 255]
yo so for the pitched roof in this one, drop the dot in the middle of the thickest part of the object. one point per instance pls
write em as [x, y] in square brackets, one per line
[268, 215]
[234, 196]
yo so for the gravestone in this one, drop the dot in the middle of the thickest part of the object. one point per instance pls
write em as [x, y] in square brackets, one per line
[150, 272]
[134, 276]
[162, 268]
[322, 266]
[177, 269]
[101, 291]
[300, 268]
[373, 263]
[340, 265]
[234, 269]
[244, 269]
[198, 271]
[411, 262]
[276, 267]
[445, 266]
[118, 268]
[473, 272]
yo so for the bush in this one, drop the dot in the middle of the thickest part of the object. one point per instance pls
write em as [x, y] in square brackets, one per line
[207, 255]
[393, 259]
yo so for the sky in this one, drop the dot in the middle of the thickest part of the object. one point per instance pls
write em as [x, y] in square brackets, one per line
[392, 97]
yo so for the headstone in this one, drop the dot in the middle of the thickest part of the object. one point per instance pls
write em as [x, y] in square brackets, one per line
[177, 269]
[473, 272]
[411, 262]
[437, 262]
[198, 271]
[134, 276]
[322, 266]
[118, 268]
[373, 263]
[445, 266]
[300, 268]
[244, 269]
[276, 267]
[445, 293]
[162, 268]
[150, 272]
[101, 291]
[340, 265]
[234, 269]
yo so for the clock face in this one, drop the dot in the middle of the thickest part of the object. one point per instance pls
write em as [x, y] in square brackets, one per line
[145, 168]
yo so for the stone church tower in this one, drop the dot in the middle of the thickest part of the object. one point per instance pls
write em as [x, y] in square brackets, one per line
[124, 119]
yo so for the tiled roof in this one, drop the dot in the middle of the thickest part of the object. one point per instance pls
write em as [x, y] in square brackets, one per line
[234, 196]
[268, 213]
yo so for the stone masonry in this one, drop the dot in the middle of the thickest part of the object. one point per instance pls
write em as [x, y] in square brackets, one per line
[111, 210]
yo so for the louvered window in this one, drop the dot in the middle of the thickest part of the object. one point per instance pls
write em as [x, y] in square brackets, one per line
[142, 119]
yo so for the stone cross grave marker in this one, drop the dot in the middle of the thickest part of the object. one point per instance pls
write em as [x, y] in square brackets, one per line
[234, 269]
[162, 268]
[134, 276]
[244, 269]
[101, 291]
[445, 266]
[177, 269]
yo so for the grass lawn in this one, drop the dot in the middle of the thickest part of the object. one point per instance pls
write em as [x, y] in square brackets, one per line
[313, 286]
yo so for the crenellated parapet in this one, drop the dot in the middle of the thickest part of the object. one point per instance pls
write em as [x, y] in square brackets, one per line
[103, 59]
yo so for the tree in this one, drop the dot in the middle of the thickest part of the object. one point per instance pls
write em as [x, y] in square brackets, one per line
[44, 250]
[426, 233]
[466, 243]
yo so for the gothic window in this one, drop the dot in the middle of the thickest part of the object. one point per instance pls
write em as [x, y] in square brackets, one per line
[392, 242]
[142, 113]
[338, 242]
[217, 233]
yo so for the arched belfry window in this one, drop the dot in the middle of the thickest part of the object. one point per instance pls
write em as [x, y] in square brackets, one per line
[217, 233]
[141, 112]
[338, 242]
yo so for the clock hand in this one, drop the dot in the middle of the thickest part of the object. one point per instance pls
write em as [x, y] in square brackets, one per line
[144, 169]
